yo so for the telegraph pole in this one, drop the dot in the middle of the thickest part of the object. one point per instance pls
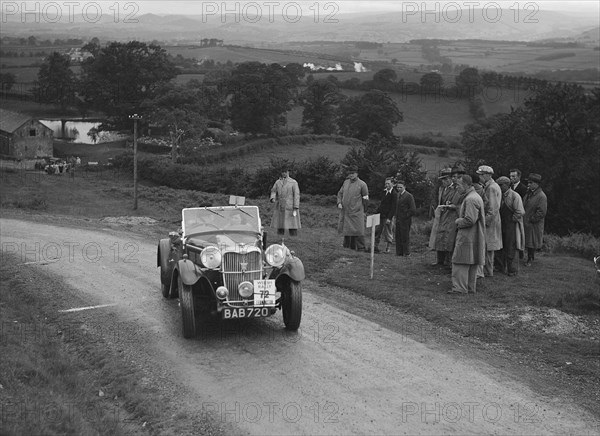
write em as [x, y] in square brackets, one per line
[135, 118]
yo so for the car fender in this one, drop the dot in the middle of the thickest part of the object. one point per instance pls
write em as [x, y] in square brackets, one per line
[294, 268]
[188, 271]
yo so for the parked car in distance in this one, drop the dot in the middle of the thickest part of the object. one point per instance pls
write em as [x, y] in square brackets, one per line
[219, 265]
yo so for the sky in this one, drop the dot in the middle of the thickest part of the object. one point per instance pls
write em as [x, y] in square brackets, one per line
[324, 6]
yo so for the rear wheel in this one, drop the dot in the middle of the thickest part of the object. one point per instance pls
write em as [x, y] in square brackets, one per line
[291, 305]
[188, 311]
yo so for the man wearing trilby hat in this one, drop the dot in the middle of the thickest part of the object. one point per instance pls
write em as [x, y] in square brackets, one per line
[513, 235]
[352, 200]
[536, 206]
[493, 226]
[443, 231]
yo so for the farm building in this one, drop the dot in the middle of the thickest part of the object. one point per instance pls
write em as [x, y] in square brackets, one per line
[23, 137]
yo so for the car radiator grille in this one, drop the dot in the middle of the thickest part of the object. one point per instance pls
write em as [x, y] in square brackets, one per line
[233, 274]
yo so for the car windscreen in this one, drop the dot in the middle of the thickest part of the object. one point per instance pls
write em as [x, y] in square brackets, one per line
[225, 219]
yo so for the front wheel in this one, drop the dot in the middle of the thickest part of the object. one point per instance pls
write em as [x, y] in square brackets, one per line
[188, 311]
[291, 305]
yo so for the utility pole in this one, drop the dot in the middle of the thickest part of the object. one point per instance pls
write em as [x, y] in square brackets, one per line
[135, 118]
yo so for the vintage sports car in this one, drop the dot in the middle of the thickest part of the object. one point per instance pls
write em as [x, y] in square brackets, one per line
[219, 265]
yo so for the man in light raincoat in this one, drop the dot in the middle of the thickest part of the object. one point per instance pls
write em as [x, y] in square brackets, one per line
[286, 196]
[352, 200]
[513, 232]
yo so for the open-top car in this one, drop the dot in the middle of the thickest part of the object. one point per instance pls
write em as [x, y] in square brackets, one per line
[219, 265]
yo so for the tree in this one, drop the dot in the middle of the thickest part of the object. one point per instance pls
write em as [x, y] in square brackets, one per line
[320, 100]
[386, 75]
[431, 82]
[120, 76]
[56, 81]
[261, 96]
[372, 112]
[7, 81]
[556, 133]
[469, 81]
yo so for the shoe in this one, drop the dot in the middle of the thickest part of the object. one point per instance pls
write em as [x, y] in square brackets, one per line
[453, 292]
[437, 264]
[377, 250]
[528, 263]
[512, 274]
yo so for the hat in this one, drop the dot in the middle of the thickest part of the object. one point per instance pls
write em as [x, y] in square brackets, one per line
[533, 177]
[458, 169]
[351, 169]
[484, 169]
[503, 180]
[445, 173]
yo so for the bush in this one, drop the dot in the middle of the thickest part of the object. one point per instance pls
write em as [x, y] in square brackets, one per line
[581, 244]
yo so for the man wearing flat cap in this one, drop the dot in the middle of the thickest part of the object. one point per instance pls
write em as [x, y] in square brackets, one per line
[513, 234]
[536, 206]
[493, 226]
[352, 200]
[443, 232]
[286, 196]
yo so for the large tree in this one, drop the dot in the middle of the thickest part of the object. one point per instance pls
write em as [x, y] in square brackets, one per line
[556, 133]
[320, 100]
[56, 81]
[261, 96]
[372, 112]
[120, 76]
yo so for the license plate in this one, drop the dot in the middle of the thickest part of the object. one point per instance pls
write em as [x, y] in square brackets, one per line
[245, 312]
[264, 292]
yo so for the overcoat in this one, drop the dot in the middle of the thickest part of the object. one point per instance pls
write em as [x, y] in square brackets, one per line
[513, 201]
[352, 214]
[493, 225]
[469, 248]
[443, 240]
[286, 194]
[536, 206]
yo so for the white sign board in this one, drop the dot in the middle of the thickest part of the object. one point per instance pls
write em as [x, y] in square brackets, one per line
[373, 220]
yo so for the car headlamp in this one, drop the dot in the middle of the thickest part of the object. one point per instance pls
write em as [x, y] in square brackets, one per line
[275, 255]
[211, 257]
[246, 289]
[222, 292]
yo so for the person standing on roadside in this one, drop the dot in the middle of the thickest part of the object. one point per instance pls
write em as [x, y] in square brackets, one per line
[513, 234]
[447, 211]
[536, 206]
[405, 210]
[493, 226]
[386, 211]
[469, 249]
[352, 200]
[286, 196]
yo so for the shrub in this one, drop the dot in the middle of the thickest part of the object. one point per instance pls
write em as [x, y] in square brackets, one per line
[581, 244]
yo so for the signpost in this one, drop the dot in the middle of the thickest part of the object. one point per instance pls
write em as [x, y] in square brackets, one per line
[373, 222]
[135, 118]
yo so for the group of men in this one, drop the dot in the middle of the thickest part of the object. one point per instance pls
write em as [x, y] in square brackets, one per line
[397, 203]
[481, 225]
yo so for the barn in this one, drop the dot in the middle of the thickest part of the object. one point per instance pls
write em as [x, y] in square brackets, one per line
[24, 137]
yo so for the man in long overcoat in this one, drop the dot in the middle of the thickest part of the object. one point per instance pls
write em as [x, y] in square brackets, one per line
[469, 248]
[513, 234]
[352, 199]
[536, 206]
[442, 241]
[493, 226]
[286, 196]
[405, 210]
[386, 211]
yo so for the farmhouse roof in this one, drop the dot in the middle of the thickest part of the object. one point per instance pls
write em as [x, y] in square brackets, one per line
[11, 121]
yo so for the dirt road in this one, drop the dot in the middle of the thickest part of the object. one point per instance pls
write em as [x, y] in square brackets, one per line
[341, 374]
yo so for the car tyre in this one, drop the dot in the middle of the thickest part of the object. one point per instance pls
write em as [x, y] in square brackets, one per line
[292, 305]
[188, 310]
[165, 289]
